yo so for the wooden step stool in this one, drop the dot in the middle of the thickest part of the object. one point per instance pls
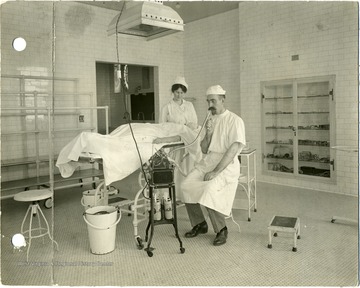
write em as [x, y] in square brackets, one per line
[284, 224]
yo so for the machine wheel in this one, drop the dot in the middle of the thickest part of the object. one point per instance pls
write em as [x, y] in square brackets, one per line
[269, 246]
[139, 243]
[182, 250]
[48, 203]
[255, 210]
[150, 254]
[294, 249]
[332, 220]
[275, 234]
[249, 219]
[298, 237]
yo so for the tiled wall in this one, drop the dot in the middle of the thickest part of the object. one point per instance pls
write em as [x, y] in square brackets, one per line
[324, 35]
[211, 56]
[236, 49]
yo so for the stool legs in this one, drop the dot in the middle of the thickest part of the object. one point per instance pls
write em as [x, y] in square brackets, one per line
[36, 211]
[270, 238]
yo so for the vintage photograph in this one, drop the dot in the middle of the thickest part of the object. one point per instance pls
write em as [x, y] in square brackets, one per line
[179, 143]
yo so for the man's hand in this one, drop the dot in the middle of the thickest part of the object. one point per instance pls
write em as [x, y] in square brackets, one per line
[209, 126]
[210, 175]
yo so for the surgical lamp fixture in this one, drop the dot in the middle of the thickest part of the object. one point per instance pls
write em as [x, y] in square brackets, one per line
[147, 19]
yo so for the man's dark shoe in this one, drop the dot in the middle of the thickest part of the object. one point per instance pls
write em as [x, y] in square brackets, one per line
[201, 228]
[221, 237]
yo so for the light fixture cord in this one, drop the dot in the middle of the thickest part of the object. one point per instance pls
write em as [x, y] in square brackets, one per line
[116, 34]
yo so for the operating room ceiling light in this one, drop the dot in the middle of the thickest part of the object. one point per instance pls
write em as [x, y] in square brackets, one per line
[147, 19]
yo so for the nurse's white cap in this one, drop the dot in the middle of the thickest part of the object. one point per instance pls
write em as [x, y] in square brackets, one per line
[215, 90]
[180, 80]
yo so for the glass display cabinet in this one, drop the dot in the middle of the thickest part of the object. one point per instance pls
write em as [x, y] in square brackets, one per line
[298, 127]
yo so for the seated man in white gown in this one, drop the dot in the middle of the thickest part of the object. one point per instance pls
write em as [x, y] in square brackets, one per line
[213, 181]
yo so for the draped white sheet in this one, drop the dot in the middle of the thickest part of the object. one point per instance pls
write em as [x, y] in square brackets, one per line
[118, 149]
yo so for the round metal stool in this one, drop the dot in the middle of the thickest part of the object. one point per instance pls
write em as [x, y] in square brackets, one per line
[34, 196]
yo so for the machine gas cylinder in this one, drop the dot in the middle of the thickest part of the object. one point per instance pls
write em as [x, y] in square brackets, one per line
[168, 209]
[157, 209]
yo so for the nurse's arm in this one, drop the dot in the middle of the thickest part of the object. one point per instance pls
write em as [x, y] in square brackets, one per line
[224, 162]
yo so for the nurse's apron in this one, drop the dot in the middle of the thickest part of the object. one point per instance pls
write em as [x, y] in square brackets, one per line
[218, 193]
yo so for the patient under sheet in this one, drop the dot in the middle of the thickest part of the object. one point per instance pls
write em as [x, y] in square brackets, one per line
[118, 149]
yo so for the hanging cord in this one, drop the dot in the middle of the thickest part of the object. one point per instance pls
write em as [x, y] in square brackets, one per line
[116, 34]
[202, 127]
[125, 87]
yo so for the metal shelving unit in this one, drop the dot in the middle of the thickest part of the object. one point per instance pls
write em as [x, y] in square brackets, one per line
[298, 127]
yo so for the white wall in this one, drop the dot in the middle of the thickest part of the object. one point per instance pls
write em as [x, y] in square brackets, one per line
[211, 56]
[236, 49]
[324, 35]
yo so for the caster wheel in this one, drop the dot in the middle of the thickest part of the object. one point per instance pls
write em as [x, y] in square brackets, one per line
[150, 254]
[255, 210]
[249, 219]
[298, 237]
[294, 249]
[139, 243]
[48, 203]
[275, 234]
[269, 246]
[182, 250]
[332, 220]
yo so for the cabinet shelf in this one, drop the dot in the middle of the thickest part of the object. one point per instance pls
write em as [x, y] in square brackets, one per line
[278, 98]
[279, 142]
[314, 112]
[45, 131]
[298, 131]
[313, 96]
[313, 128]
[38, 114]
[278, 112]
[277, 127]
[281, 158]
[25, 161]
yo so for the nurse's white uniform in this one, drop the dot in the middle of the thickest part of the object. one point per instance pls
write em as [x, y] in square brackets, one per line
[218, 193]
[180, 114]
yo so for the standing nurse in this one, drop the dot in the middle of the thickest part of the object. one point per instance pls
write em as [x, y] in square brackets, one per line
[214, 180]
[178, 110]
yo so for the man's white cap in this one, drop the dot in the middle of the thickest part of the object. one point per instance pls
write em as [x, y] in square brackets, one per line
[180, 80]
[216, 89]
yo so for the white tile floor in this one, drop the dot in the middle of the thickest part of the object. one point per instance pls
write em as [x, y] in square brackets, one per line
[326, 256]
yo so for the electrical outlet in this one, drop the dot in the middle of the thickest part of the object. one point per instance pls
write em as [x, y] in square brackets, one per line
[81, 118]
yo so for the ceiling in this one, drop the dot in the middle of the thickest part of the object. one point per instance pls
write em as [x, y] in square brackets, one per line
[188, 10]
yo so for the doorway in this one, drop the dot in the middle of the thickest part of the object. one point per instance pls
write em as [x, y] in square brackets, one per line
[133, 102]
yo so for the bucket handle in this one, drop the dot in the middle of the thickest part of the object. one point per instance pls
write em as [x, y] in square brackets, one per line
[98, 189]
[96, 201]
[102, 228]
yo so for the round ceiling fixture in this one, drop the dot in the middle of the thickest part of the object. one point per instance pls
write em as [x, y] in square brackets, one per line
[19, 44]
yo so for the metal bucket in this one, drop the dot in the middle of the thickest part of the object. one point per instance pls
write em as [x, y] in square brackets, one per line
[101, 222]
